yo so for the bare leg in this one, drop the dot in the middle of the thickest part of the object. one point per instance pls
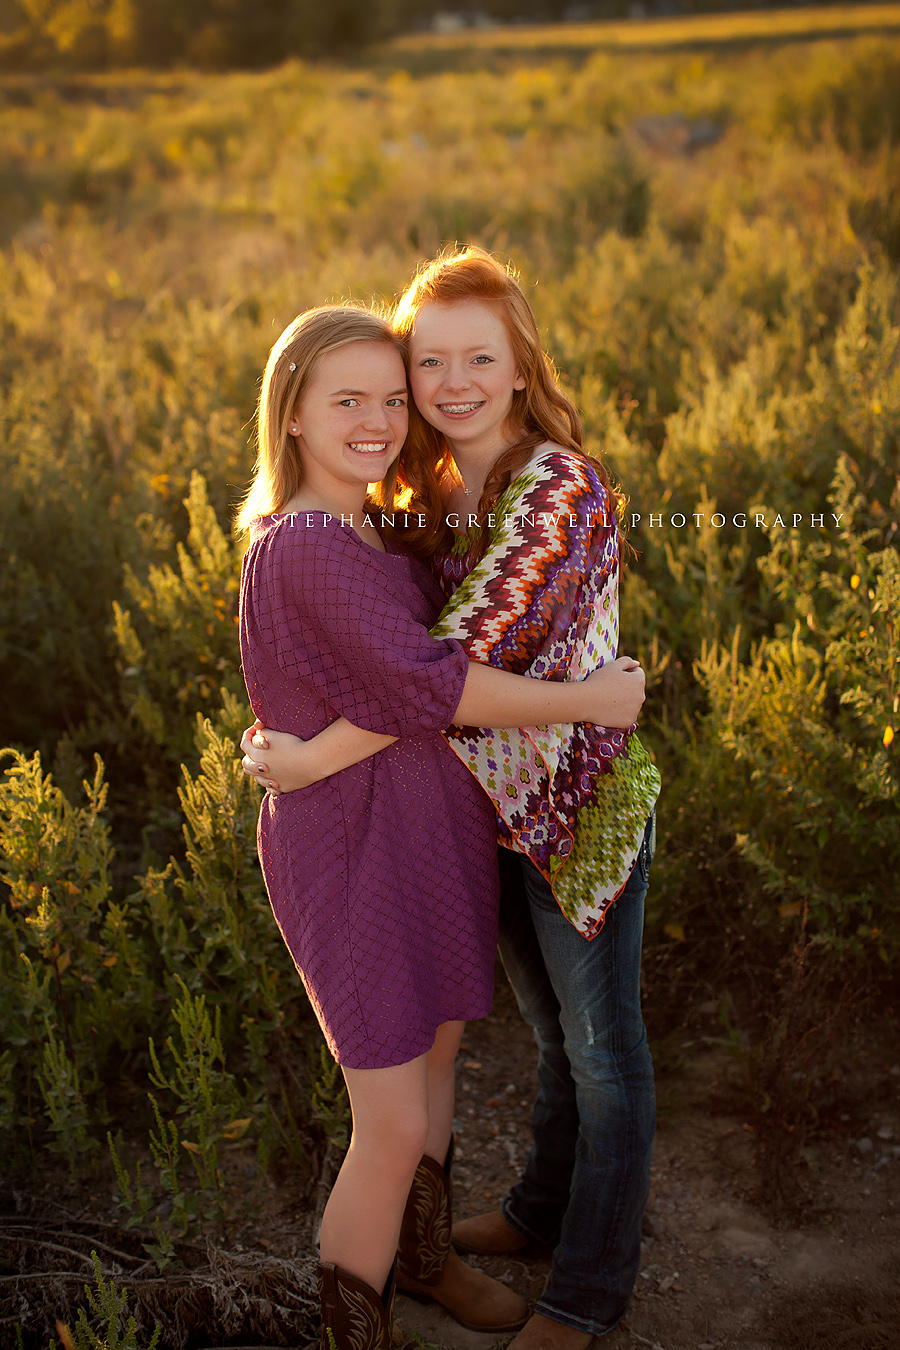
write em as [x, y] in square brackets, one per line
[361, 1223]
[442, 1089]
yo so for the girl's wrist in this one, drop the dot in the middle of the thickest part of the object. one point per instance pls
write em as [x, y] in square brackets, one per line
[310, 765]
[579, 703]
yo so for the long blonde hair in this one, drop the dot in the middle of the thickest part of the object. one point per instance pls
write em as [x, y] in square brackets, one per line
[278, 473]
[540, 412]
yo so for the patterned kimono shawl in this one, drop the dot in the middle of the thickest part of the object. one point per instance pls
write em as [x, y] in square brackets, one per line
[543, 601]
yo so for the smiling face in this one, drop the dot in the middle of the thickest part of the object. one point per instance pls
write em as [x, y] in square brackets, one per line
[463, 374]
[351, 420]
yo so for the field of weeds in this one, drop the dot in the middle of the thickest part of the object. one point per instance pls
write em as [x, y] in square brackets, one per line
[710, 238]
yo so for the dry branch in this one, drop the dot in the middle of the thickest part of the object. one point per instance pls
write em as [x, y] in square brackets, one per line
[259, 1299]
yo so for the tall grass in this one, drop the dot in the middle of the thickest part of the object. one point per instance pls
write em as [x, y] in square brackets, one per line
[774, 25]
[710, 242]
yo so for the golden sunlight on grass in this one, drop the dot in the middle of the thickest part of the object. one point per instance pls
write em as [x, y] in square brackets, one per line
[683, 30]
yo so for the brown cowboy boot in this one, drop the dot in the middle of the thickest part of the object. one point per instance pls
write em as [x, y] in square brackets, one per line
[355, 1316]
[488, 1234]
[429, 1268]
[542, 1333]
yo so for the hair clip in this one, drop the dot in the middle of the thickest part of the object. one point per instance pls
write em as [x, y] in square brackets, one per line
[292, 366]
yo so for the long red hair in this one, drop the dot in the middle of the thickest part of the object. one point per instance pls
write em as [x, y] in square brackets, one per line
[540, 412]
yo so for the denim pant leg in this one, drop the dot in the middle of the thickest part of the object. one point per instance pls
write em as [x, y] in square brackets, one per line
[588, 1173]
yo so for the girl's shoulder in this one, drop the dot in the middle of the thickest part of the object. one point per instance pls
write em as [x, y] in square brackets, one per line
[260, 527]
[307, 531]
[311, 544]
[323, 548]
[549, 458]
[555, 470]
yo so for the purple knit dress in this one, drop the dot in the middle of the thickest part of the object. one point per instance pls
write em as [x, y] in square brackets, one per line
[383, 877]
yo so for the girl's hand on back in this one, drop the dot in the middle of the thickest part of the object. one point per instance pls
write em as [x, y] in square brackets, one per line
[619, 686]
[275, 759]
[285, 763]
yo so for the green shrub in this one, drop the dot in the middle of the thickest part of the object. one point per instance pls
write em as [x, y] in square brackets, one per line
[77, 986]
[86, 978]
[183, 647]
[58, 556]
[107, 1329]
[727, 318]
[211, 919]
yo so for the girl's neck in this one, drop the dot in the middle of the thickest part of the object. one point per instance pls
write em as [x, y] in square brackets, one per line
[473, 468]
[474, 465]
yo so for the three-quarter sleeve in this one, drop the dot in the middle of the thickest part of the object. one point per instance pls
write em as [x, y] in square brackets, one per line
[552, 562]
[337, 616]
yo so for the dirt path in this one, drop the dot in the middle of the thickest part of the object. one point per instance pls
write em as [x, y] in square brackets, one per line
[715, 1273]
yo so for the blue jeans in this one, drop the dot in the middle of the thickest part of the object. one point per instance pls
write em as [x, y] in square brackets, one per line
[588, 1173]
